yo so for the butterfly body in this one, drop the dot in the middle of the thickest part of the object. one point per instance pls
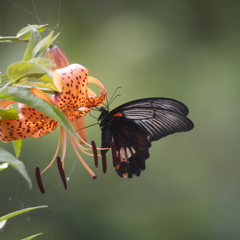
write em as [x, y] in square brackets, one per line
[134, 125]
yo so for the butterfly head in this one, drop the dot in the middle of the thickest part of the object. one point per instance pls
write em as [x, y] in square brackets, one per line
[103, 117]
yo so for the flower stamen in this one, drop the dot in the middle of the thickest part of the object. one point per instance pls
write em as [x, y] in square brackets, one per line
[54, 157]
[63, 138]
[62, 173]
[94, 148]
[104, 162]
[81, 148]
[39, 180]
[94, 176]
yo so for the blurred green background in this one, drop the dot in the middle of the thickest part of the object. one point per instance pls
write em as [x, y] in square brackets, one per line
[187, 50]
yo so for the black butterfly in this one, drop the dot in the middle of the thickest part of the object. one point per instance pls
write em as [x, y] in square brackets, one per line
[134, 125]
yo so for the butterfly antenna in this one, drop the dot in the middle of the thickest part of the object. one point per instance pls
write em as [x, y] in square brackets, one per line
[92, 115]
[87, 126]
[118, 95]
[106, 105]
[108, 102]
[114, 96]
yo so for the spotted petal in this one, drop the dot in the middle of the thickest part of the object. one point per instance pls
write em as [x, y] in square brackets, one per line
[72, 85]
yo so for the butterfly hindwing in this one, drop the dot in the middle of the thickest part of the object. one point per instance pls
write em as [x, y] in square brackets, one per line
[132, 146]
[134, 125]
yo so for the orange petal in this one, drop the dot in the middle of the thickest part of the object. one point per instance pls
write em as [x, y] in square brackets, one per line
[80, 128]
[40, 94]
[91, 93]
[17, 129]
[96, 101]
[72, 83]
[75, 114]
[30, 113]
[48, 126]
[5, 103]
[14, 129]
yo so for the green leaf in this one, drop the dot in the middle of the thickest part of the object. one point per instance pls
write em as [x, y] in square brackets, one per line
[13, 214]
[17, 145]
[42, 61]
[7, 157]
[25, 33]
[8, 113]
[43, 83]
[43, 45]
[19, 70]
[4, 219]
[35, 72]
[35, 37]
[35, 78]
[7, 39]
[22, 95]
[31, 237]
[4, 79]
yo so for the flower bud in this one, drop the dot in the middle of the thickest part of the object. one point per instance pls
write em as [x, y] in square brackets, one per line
[58, 57]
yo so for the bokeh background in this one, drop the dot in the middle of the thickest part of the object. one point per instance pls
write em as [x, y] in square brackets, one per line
[187, 50]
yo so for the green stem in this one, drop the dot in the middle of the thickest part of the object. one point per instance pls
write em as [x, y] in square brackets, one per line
[9, 38]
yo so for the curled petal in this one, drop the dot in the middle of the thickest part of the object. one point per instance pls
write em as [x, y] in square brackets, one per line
[91, 93]
[5, 103]
[40, 94]
[75, 114]
[94, 101]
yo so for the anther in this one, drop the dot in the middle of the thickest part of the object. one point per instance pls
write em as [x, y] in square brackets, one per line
[95, 155]
[39, 180]
[104, 162]
[62, 173]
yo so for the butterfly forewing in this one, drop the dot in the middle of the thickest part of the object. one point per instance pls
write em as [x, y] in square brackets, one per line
[154, 103]
[163, 123]
[158, 116]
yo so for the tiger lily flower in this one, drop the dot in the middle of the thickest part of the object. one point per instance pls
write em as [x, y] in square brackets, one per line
[74, 99]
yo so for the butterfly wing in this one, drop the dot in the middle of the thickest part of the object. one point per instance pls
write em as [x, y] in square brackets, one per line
[156, 102]
[159, 117]
[134, 125]
[132, 145]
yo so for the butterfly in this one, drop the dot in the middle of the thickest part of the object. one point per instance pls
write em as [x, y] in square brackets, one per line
[131, 128]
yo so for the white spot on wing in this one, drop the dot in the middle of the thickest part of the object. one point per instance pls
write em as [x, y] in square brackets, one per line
[128, 153]
[133, 150]
[123, 156]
